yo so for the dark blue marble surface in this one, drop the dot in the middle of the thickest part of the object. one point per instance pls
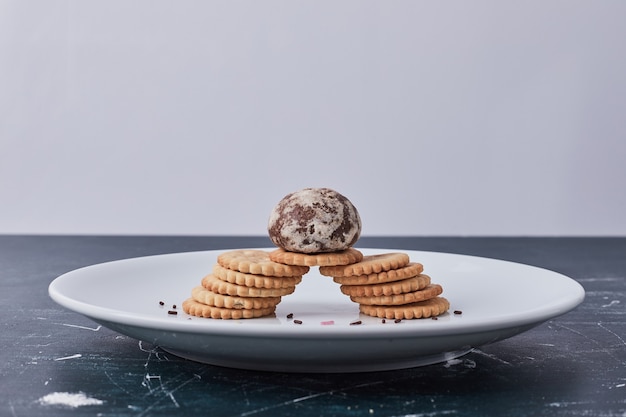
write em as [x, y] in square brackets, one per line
[56, 362]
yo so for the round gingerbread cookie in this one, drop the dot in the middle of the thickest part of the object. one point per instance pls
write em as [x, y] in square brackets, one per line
[314, 220]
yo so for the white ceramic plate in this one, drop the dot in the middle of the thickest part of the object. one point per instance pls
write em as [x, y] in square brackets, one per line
[498, 299]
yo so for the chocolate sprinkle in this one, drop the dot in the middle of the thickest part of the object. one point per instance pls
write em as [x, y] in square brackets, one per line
[458, 312]
[172, 312]
[290, 315]
[161, 303]
[397, 320]
[355, 322]
[298, 321]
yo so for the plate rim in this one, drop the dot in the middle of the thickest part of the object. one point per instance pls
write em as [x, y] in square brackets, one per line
[224, 327]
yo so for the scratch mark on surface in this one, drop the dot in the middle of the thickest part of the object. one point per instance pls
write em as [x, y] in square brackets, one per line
[152, 352]
[78, 355]
[611, 304]
[567, 404]
[293, 401]
[155, 384]
[171, 395]
[141, 348]
[452, 362]
[147, 382]
[490, 356]
[305, 398]
[607, 279]
[82, 327]
[604, 349]
[41, 345]
[431, 414]
[149, 352]
[468, 363]
[575, 331]
[116, 384]
[166, 393]
[613, 333]
[244, 392]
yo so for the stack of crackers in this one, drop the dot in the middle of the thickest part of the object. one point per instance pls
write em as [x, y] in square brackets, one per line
[249, 283]
[389, 286]
[243, 284]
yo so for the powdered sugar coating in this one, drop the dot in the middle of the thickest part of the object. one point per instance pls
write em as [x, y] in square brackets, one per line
[314, 220]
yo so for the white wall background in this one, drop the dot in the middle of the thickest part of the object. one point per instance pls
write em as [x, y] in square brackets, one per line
[196, 117]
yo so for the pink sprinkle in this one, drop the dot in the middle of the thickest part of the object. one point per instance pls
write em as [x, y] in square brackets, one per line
[328, 323]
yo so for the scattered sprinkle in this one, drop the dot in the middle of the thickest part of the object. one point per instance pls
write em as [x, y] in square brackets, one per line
[458, 312]
[354, 323]
[161, 303]
[298, 321]
[328, 323]
[172, 312]
[290, 315]
[435, 318]
[174, 306]
[384, 321]
[397, 320]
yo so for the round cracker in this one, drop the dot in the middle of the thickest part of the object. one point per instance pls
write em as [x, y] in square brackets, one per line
[431, 291]
[253, 280]
[429, 308]
[412, 269]
[204, 296]
[343, 257]
[255, 261]
[213, 283]
[194, 308]
[389, 288]
[368, 265]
